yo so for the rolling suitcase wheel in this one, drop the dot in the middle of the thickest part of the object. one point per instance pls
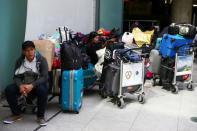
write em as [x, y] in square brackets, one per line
[174, 89]
[103, 93]
[23, 109]
[76, 112]
[120, 103]
[154, 82]
[190, 87]
[141, 98]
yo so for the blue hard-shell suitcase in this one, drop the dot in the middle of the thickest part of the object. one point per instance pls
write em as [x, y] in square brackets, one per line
[158, 43]
[72, 90]
[89, 75]
[169, 44]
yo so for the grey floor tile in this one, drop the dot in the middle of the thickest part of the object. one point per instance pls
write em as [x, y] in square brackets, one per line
[127, 114]
[185, 124]
[62, 126]
[188, 110]
[107, 125]
[155, 120]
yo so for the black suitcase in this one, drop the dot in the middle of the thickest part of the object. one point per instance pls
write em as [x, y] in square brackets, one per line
[71, 57]
[185, 30]
[108, 58]
[112, 80]
[166, 72]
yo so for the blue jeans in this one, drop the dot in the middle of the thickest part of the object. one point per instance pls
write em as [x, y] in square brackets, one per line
[41, 92]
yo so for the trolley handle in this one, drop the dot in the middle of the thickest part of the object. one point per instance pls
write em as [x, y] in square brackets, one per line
[130, 50]
[134, 49]
[177, 48]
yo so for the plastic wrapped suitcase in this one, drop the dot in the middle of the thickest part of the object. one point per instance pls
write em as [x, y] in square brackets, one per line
[158, 43]
[89, 75]
[72, 90]
[169, 44]
[154, 62]
[185, 30]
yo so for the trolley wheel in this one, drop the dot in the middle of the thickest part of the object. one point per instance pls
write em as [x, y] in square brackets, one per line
[141, 98]
[120, 103]
[160, 82]
[34, 110]
[190, 87]
[174, 89]
[103, 93]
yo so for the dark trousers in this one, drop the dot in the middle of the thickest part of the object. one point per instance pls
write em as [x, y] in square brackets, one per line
[41, 92]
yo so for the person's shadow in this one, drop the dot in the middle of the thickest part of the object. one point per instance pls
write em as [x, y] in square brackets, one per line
[194, 119]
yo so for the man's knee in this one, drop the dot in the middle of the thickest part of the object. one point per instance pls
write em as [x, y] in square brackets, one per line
[42, 89]
[11, 89]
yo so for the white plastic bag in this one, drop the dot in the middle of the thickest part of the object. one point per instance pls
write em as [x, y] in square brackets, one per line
[127, 38]
[99, 65]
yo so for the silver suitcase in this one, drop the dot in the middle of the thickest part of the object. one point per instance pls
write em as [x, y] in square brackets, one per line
[56, 82]
[154, 61]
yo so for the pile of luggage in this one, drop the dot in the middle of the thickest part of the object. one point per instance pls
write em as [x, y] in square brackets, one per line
[174, 45]
[124, 63]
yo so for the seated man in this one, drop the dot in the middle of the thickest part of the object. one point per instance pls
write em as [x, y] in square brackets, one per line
[93, 44]
[30, 62]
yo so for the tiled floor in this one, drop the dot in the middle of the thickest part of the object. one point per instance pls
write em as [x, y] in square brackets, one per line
[163, 111]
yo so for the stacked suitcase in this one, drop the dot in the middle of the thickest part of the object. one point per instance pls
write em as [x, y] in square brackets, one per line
[176, 43]
[72, 73]
[170, 42]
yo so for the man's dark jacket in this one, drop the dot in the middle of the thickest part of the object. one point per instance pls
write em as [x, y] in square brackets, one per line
[42, 67]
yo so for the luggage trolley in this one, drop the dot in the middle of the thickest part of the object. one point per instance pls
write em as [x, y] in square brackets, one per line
[131, 77]
[183, 66]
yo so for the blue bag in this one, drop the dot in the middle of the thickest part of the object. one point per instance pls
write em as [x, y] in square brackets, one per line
[89, 75]
[169, 44]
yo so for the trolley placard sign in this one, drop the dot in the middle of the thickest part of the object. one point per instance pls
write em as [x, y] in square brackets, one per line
[131, 74]
[184, 65]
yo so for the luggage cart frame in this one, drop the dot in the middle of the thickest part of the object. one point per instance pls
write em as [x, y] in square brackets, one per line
[175, 88]
[140, 92]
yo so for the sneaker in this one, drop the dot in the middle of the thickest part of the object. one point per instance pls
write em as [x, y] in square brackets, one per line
[12, 119]
[41, 121]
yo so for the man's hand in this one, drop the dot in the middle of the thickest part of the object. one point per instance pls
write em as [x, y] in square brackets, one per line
[22, 90]
[28, 88]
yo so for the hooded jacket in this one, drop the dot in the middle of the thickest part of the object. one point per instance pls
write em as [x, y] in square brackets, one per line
[41, 65]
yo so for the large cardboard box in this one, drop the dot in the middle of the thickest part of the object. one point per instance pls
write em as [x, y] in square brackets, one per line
[46, 48]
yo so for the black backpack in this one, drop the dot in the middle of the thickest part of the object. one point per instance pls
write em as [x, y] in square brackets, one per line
[71, 58]
[108, 58]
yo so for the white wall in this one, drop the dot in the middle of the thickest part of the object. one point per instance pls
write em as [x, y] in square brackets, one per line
[44, 16]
